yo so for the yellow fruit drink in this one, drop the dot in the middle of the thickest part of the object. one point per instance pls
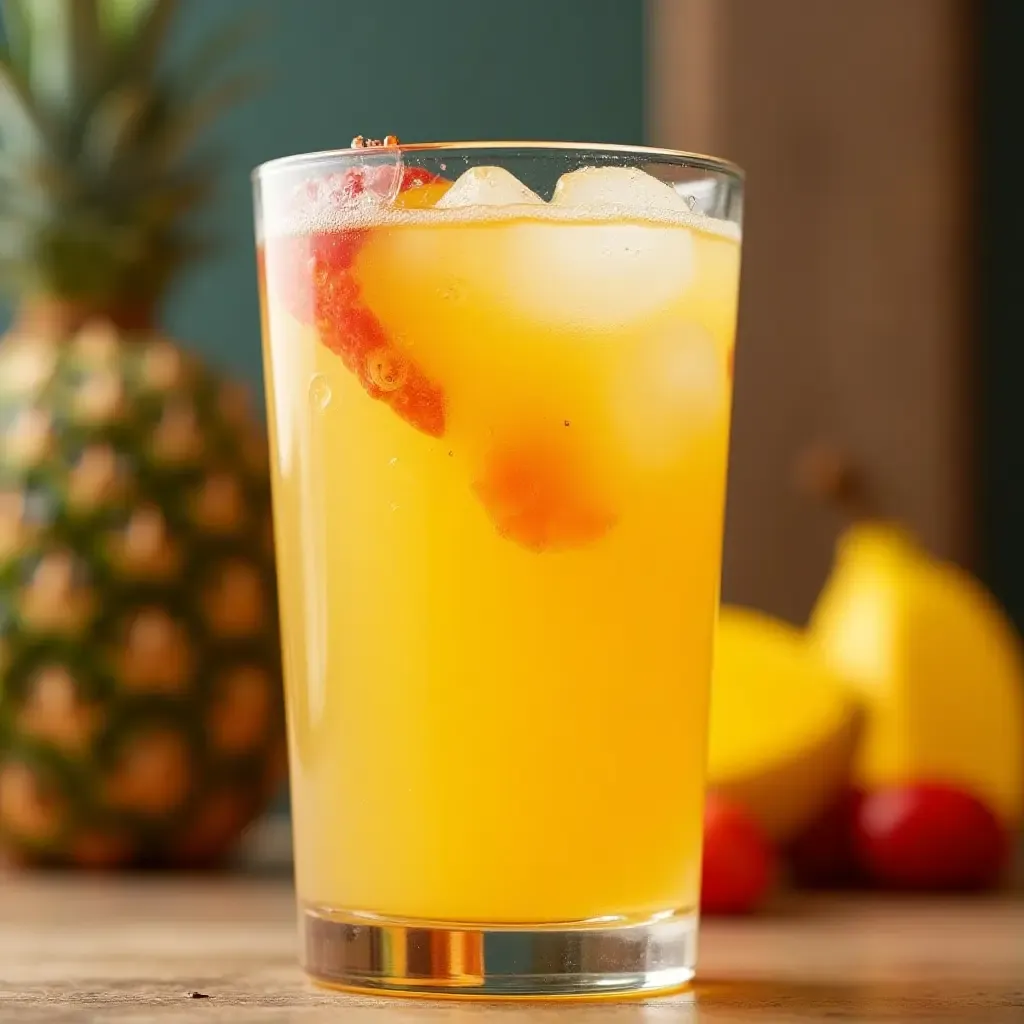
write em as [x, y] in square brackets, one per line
[500, 435]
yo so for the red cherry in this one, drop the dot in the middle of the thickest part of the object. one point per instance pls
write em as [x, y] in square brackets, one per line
[823, 855]
[739, 863]
[309, 274]
[930, 835]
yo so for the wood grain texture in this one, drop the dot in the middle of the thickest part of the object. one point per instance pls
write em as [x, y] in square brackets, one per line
[77, 950]
[853, 122]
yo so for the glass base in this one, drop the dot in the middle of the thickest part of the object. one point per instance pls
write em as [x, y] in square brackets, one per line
[367, 953]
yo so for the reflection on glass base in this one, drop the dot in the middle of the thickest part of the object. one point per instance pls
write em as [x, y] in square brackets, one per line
[606, 958]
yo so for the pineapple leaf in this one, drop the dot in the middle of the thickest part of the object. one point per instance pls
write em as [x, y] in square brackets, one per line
[22, 127]
[11, 233]
[16, 33]
[177, 198]
[28, 201]
[118, 17]
[115, 125]
[102, 163]
[146, 37]
[66, 50]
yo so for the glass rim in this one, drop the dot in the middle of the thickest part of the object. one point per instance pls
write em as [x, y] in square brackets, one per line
[679, 157]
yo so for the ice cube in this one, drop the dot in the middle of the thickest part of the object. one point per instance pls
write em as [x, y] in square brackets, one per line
[596, 187]
[604, 276]
[670, 391]
[488, 186]
[547, 268]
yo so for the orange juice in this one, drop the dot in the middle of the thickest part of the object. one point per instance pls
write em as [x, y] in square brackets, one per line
[500, 435]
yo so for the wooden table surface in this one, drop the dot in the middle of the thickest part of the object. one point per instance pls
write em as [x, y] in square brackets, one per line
[76, 949]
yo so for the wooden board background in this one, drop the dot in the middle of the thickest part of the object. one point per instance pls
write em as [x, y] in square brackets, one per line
[853, 122]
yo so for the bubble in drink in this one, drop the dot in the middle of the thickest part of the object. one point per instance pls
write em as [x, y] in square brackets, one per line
[319, 392]
[452, 290]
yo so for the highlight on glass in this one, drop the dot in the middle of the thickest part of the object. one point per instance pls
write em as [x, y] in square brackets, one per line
[499, 380]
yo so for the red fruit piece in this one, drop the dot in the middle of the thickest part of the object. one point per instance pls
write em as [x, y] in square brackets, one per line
[823, 855]
[535, 497]
[301, 268]
[739, 863]
[310, 275]
[930, 835]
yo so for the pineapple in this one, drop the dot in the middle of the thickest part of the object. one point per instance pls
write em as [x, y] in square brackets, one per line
[140, 692]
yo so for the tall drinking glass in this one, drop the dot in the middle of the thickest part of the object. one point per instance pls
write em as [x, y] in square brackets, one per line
[498, 380]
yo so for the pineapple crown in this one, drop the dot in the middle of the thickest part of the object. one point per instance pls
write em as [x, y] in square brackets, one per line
[99, 165]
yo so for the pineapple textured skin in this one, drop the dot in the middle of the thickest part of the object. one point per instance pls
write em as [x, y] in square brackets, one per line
[141, 714]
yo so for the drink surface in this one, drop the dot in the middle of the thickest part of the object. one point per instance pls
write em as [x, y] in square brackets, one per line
[500, 445]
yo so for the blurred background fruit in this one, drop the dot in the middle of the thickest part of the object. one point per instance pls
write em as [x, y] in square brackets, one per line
[739, 861]
[935, 664]
[783, 724]
[929, 836]
[883, 745]
[140, 692]
[823, 854]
